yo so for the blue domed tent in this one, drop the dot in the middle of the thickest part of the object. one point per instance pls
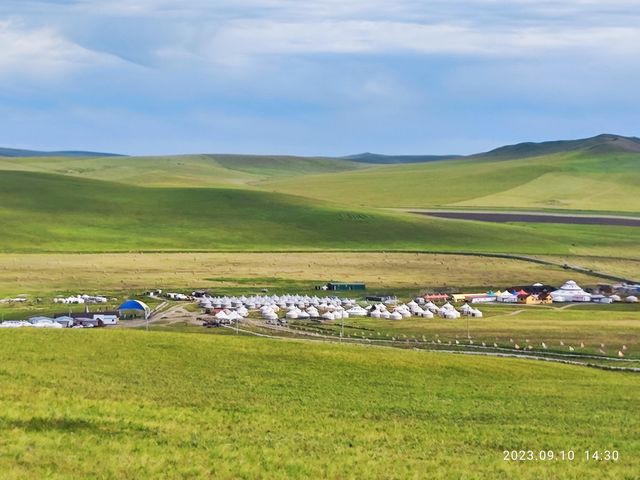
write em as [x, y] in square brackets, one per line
[134, 305]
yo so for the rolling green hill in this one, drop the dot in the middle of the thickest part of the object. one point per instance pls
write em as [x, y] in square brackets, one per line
[575, 181]
[182, 170]
[44, 212]
[596, 174]
[134, 404]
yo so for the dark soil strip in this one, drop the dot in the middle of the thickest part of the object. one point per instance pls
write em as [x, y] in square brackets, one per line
[534, 218]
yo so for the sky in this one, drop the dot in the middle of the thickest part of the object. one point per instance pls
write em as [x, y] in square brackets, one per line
[315, 77]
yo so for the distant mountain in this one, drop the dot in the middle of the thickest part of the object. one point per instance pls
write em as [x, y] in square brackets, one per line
[394, 159]
[13, 152]
[600, 144]
[605, 143]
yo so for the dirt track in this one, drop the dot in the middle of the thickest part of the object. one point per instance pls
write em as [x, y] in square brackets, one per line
[175, 314]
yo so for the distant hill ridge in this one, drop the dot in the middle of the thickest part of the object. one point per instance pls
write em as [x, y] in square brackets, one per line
[14, 152]
[605, 143]
[393, 159]
[600, 144]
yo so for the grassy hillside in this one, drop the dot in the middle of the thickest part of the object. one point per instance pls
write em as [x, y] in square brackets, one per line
[182, 170]
[582, 180]
[41, 212]
[574, 181]
[194, 406]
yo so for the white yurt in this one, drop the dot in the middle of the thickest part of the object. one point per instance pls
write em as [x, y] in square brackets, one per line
[357, 311]
[507, 297]
[631, 299]
[570, 292]
[466, 309]
[395, 316]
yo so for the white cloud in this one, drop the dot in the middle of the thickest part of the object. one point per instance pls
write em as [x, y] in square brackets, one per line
[238, 40]
[238, 32]
[43, 52]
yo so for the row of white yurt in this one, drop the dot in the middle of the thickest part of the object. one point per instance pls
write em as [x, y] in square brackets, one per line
[42, 323]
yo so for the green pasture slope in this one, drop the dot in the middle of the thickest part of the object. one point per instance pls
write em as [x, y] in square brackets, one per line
[57, 213]
[567, 181]
[599, 174]
[135, 404]
[182, 170]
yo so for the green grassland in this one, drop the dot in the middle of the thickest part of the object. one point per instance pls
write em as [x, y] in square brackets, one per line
[577, 180]
[568, 181]
[611, 325]
[66, 273]
[182, 170]
[57, 213]
[622, 267]
[127, 404]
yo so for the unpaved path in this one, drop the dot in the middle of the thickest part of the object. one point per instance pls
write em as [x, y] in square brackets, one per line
[175, 314]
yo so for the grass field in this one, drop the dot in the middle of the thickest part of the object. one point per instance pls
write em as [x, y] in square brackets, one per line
[566, 181]
[181, 170]
[44, 212]
[122, 403]
[622, 267]
[52, 274]
[113, 404]
[573, 181]
[593, 325]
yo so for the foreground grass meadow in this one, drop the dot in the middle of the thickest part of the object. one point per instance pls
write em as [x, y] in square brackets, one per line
[133, 404]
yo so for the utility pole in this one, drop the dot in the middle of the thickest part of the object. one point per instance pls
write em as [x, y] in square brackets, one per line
[468, 335]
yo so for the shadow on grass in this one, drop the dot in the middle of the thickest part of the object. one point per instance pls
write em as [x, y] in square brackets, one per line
[74, 425]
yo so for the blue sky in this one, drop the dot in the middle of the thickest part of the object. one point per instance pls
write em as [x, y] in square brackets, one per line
[326, 77]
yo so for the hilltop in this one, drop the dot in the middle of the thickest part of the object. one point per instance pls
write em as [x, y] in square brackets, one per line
[600, 144]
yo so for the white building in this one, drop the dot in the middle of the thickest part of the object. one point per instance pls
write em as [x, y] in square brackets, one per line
[570, 292]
